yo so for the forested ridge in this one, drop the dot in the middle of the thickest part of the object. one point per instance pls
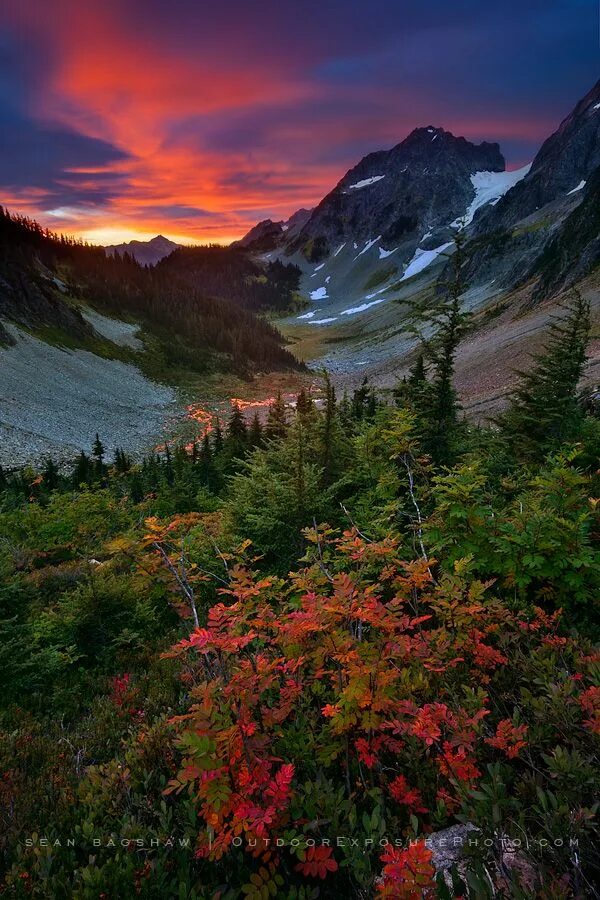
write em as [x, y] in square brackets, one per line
[203, 312]
[273, 662]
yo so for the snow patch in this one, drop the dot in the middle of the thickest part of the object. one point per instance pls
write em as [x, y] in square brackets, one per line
[328, 279]
[383, 254]
[323, 321]
[317, 269]
[365, 183]
[579, 187]
[319, 294]
[490, 186]
[308, 315]
[367, 246]
[358, 309]
[422, 259]
[376, 293]
[597, 106]
[339, 249]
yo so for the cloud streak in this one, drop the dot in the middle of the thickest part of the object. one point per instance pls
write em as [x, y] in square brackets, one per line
[150, 117]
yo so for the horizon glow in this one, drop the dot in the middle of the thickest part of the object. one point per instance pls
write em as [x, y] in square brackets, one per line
[123, 119]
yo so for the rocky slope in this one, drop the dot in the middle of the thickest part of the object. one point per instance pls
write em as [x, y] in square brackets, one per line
[268, 235]
[53, 400]
[549, 219]
[419, 187]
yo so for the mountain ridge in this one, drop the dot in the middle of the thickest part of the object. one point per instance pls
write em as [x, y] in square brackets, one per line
[146, 253]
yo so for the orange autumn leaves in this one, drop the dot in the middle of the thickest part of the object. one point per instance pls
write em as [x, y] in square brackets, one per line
[359, 670]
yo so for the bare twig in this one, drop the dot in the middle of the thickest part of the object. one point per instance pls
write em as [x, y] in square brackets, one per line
[181, 578]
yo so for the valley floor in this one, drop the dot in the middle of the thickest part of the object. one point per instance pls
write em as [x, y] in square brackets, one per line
[507, 330]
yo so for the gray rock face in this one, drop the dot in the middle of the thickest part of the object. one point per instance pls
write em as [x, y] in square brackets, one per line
[418, 186]
[264, 236]
[268, 235]
[548, 225]
[566, 158]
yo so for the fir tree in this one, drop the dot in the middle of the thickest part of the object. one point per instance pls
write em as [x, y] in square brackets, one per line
[98, 456]
[168, 466]
[136, 488]
[122, 462]
[437, 404]
[50, 475]
[82, 473]
[218, 439]
[205, 462]
[255, 432]
[545, 411]
[304, 405]
[277, 422]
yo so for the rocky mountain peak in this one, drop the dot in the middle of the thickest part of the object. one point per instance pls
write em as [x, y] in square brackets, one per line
[420, 185]
[146, 253]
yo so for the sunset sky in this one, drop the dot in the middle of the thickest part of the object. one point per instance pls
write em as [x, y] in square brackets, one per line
[125, 118]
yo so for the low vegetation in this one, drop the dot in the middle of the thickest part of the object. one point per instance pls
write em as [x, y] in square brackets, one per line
[274, 662]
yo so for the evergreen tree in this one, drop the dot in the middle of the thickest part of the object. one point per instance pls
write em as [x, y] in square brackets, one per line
[417, 376]
[437, 403]
[363, 401]
[277, 422]
[122, 461]
[168, 466]
[255, 432]
[545, 411]
[304, 405]
[98, 455]
[218, 439]
[237, 432]
[332, 442]
[50, 475]
[277, 493]
[205, 462]
[136, 488]
[82, 473]
[327, 431]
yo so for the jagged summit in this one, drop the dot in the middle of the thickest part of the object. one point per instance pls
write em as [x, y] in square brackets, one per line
[419, 186]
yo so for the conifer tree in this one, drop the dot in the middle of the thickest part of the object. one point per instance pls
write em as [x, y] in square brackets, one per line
[255, 432]
[332, 444]
[218, 438]
[136, 488]
[441, 328]
[168, 466]
[98, 455]
[545, 411]
[304, 405]
[50, 475]
[277, 422]
[205, 461]
[122, 461]
[237, 431]
[82, 473]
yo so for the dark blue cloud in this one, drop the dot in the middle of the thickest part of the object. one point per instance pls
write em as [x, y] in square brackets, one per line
[40, 156]
[359, 75]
